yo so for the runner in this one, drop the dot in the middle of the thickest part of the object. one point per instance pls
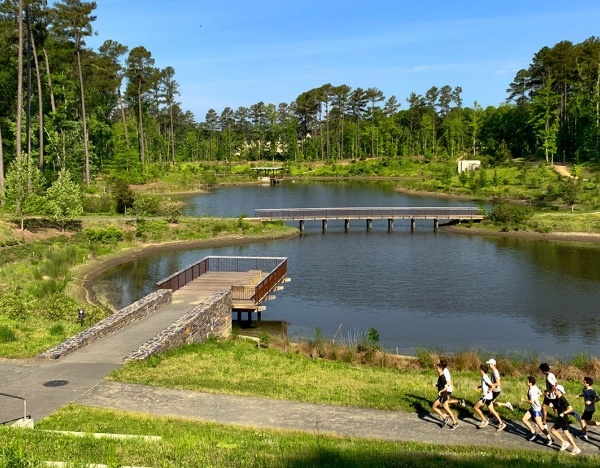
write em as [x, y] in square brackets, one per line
[444, 387]
[535, 411]
[549, 395]
[486, 399]
[495, 378]
[590, 398]
[563, 409]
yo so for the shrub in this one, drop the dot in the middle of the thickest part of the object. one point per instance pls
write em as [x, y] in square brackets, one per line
[507, 213]
[108, 235]
[151, 228]
[7, 334]
[57, 329]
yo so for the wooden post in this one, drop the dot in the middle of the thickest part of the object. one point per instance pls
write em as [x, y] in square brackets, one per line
[346, 225]
[413, 224]
[369, 224]
[301, 225]
[324, 225]
[436, 223]
[390, 225]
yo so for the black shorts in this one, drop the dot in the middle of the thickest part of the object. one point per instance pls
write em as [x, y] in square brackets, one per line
[495, 395]
[486, 401]
[587, 415]
[561, 423]
[549, 401]
[444, 397]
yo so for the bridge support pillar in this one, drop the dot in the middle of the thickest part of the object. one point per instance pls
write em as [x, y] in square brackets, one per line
[324, 225]
[346, 225]
[436, 223]
[369, 224]
[413, 224]
[390, 225]
[301, 225]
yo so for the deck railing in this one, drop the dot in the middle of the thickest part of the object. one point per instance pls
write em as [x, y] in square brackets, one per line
[371, 213]
[275, 266]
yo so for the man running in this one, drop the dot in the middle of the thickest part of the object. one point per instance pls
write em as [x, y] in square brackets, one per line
[444, 386]
[549, 395]
[535, 411]
[495, 378]
[487, 399]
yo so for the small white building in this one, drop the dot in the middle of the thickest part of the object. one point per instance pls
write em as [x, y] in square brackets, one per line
[468, 165]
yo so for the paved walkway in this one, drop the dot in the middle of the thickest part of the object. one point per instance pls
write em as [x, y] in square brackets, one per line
[50, 385]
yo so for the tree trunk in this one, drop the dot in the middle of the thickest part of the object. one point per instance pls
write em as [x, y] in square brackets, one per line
[140, 123]
[83, 117]
[123, 117]
[40, 108]
[52, 103]
[19, 82]
[1, 169]
[28, 108]
[172, 133]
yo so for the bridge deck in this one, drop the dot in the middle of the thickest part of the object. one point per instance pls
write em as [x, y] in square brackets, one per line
[292, 214]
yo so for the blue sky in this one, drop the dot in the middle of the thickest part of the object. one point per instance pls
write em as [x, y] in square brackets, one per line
[239, 52]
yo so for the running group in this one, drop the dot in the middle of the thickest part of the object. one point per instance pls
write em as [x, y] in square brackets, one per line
[553, 398]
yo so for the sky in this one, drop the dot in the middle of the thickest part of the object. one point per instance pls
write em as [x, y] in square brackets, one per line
[232, 53]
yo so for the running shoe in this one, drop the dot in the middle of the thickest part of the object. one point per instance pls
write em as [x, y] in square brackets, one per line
[583, 437]
[549, 442]
[576, 451]
[532, 437]
[445, 422]
[453, 426]
[462, 403]
[483, 423]
[501, 427]
[564, 446]
[509, 405]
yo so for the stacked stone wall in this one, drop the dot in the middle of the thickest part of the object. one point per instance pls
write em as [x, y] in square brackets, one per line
[210, 317]
[126, 316]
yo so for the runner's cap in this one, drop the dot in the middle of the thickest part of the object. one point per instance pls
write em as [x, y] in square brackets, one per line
[491, 361]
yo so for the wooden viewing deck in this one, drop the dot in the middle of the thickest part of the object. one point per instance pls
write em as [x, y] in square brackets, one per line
[250, 279]
[457, 214]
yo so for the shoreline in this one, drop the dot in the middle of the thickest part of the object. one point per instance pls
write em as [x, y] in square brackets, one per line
[575, 236]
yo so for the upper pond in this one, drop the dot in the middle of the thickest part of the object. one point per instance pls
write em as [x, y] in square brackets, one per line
[417, 289]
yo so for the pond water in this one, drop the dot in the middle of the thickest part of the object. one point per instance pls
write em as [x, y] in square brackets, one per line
[416, 288]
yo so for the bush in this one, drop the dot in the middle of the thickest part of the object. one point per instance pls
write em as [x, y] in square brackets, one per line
[153, 228]
[57, 329]
[109, 235]
[7, 334]
[506, 213]
[98, 204]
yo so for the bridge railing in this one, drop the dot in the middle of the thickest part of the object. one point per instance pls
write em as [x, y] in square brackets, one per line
[370, 213]
[275, 266]
[25, 416]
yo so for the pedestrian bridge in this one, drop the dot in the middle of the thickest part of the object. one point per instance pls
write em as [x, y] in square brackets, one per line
[454, 214]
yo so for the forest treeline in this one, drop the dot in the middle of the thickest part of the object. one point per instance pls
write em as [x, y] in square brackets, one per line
[65, 106]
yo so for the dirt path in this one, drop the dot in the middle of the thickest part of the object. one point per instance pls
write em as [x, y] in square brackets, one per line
[562, 170]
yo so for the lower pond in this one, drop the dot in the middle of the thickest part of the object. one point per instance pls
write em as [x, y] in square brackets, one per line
[416, 288]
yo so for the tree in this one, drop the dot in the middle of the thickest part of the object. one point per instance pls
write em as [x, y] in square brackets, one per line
[373, 95]
[170, 89]
[545, 119]
[63, 199]
[140, 73]
[74, 20]
[23, 180]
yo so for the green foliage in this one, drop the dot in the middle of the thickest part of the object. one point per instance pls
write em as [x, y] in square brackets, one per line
[372, 338]
[103, 204]
[63, 199]
[146, 205]
[7, 334]
[107, 235]
[510, 214]
[151, 228]
[123, 196]
[57, 329]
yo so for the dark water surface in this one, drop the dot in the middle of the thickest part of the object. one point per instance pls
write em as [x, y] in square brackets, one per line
[417, 289]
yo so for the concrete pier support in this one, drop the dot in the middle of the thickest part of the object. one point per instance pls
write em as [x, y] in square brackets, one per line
[390, 225]
[413, 224]
[324, 225]
[436, 223]
[346, 225]
[369, 224]
[301, 225]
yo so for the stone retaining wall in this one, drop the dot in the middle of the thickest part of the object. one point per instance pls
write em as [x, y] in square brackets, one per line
[126, 316]
[210, 317]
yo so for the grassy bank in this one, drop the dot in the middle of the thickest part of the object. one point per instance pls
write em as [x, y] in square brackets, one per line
[39, 297]
[195, 444]
[381, 382]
